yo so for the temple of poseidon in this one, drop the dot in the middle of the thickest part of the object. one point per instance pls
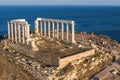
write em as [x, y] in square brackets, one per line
[19, 30]
[54, 30]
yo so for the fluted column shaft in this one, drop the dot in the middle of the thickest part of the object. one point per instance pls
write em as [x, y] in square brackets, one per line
[19, 33]
[53, 34]
[36, 26]
[9, 30]
[25, 27]
[73, 41]
[23, 34]
[48, 29]
[57, 30]
[62, 31]
[67, 29]
[45, 28]
[28, 33]
[41, 32]
[15, 25]
[12, 31]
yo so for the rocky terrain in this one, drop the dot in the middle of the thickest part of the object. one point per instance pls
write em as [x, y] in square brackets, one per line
[10, 71]
[23, 67]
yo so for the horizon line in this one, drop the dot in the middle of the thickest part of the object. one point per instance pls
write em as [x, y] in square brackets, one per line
[59, 5]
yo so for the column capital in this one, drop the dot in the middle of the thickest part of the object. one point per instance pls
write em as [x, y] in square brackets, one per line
[8, 22]
[72, 22]
[39, 19]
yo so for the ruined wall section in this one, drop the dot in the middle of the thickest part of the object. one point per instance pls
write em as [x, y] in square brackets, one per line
[23, 49]
[59, 62]
[66, 60]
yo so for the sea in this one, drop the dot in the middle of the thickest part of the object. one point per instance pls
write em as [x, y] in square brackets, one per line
[102, 20]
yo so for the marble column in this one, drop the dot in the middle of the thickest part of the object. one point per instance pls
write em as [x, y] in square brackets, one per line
[28, 33]
[57, 30]
[12, 34]
[67, 29]
[49, 29]
[62, 31]
[25, 30]
[53, 32]
[73, 41]
[45, 28]
[23, 34]
[15, 25]
[9, 30]
[41, 32]
[36, 26]
[19, 33]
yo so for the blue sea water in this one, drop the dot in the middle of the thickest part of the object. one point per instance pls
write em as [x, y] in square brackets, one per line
[99, 19]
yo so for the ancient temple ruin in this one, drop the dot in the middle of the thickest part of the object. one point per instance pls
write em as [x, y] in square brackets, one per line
[46, 27]
[44, 42]
[19, 31]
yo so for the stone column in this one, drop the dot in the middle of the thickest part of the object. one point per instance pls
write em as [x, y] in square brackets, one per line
[9, 30]
[25, 30]
[49, 29]
[36, 26]
[28, 33]
[57, 30]
[41, 32]
[67, 29]
[15, 25]
[23, 34]
[62, 31]
[45, 28]
[12, 31]
[19, 33]
[73, 41]
[53, 32]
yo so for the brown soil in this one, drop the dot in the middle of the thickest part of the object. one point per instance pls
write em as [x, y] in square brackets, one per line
[10, 71]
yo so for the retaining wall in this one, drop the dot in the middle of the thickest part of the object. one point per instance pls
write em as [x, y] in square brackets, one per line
[66, 60]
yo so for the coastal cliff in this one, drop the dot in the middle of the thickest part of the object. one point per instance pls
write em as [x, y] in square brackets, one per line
[26, 68]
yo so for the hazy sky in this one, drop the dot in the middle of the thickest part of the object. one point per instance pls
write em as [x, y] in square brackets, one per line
[59, 2]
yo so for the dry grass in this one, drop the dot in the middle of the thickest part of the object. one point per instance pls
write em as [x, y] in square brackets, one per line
[10, 71]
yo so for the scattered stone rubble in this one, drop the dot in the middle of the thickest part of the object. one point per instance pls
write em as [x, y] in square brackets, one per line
[103, 45]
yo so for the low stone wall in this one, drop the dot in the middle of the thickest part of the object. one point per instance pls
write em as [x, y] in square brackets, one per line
[59, 62]
[23, 49]
[66, 60]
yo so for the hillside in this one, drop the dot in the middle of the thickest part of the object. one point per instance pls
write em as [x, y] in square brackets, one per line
[10, 71]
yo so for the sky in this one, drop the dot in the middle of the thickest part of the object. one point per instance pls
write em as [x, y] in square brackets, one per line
[59, 2]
